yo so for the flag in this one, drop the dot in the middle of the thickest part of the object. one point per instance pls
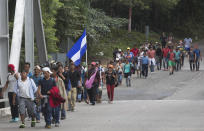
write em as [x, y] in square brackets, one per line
[78, 49]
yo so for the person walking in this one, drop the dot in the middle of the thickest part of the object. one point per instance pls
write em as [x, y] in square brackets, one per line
[159, 57]
[163, 39]
[165, 52]
[44, 87]
[9, 86]
[198, 57]
[63, 107]
[171, 62]
[27, 69]
[127, 73]
[151, 56]
[93, 90]
[74, 77]
[36, 78]
[25, 89]
[110, 83]
[177, 59]
[191, 58]
[145, 64]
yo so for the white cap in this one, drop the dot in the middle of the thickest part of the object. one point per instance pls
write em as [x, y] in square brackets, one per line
[37, 67]
[47, 69]
[119, 50]
[117, 59]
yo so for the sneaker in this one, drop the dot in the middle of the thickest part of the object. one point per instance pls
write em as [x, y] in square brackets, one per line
[22, 125]
[48, 126]
[37, 121]
[16, 119]
[57, 125]
[12, 120]
[33, 123]
[63, 118]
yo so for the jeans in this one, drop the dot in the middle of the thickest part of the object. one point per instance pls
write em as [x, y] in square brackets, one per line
[37, 112]
[145, 70]
[120, 78]
[110, 91]
[192, 65]
[128, 81]
[197, 64]
[14, 108]
[56, 114]
[178, 65]
[159, 63]
[63, 113]
[165, 63]
[47, 111]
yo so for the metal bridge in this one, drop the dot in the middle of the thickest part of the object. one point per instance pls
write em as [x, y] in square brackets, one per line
[28, 15]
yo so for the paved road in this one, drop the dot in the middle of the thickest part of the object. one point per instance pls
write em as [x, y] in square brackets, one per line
[159, 103]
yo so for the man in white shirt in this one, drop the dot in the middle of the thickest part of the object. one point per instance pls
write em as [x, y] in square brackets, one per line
[188, 42]
[25, 88]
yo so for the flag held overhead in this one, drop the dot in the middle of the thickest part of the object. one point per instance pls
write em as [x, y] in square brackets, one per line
[78, 49]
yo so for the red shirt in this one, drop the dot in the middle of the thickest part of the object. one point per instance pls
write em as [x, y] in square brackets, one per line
[135, 51]
[165, 52]
[172, 55]
[151, 54]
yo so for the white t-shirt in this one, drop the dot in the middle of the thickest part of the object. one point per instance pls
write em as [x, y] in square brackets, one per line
[12, 81]
[187, 42]
[24, 87]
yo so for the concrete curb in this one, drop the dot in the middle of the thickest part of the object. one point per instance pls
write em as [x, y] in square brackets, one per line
[5, 112]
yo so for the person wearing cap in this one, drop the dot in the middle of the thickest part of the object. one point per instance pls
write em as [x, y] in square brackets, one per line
[74, 77]
[129, 55]
[36, 78]
[25, 89]
[177, 58]
[93, 91]
[44, 87]
[9, 86]
[127, 73]
[110, 82]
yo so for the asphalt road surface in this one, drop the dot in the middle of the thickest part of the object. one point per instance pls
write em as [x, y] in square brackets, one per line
[158, 103]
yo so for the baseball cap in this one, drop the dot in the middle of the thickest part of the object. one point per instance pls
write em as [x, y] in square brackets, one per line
[47, 69]
[37, 67]
[128, 48]
[93, 63]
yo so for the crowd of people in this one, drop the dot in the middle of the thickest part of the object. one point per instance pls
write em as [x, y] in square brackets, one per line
[54, 89]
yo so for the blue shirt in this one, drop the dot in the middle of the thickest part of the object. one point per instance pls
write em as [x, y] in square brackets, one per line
[145, 60]
[36, 79]
[30, 74]
[197, 53]
[177, 55]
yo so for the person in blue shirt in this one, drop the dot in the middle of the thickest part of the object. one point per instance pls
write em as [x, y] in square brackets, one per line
[198, 57]
[127, 73]
[27, 69]
[177, 59]
[36, 78]
[145, 63]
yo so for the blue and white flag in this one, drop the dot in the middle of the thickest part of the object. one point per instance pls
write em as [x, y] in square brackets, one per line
[78, 50]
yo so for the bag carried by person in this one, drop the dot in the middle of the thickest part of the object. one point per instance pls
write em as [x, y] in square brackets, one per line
[89, 82]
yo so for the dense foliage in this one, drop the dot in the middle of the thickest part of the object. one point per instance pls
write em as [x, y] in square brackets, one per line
[105, 18]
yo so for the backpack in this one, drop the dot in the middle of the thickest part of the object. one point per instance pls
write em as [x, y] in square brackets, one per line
[90, 81]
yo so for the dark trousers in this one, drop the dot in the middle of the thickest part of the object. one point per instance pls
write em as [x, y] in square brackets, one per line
[197, 64]
[145, 70]
[47, 111]
[92, 94]
[178, 64]
[192, 65]
[14, 108]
